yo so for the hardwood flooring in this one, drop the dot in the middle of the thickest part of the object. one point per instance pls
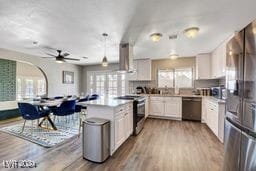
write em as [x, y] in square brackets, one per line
[162, 145]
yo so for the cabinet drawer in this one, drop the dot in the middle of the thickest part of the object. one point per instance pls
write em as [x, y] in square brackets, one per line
[172, 99]
[157, 98]
[120, 109]
[129, 106]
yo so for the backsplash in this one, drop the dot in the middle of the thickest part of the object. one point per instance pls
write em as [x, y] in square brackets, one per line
[197, 84]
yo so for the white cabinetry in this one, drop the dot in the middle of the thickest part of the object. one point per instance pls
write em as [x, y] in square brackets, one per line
[123, 124]
[203, 66]
[218, 60]
[165, 107]
[143, 70]
[215, 117]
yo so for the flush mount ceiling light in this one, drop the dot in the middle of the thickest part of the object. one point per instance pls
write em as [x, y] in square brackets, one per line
[191, 32]
[174, 56]
[105, 60]
[60, 60]
[155, 37]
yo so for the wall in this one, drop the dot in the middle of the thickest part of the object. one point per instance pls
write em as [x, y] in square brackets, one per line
[51, 69]
[110, 67]
[28, 70]
[7, 80]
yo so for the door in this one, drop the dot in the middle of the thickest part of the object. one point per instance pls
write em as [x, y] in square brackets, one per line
[248, 153]
[232, 147]
[234, 77]
[249, 103]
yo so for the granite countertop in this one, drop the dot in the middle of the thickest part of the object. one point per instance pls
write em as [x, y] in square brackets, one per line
[171, 95]
[220, 101]
[106, 101]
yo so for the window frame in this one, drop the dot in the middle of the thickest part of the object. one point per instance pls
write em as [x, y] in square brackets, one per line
[174, 77]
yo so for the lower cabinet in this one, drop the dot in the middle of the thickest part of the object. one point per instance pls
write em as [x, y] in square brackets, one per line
[123, 125]
[169, 107]
[215, 113]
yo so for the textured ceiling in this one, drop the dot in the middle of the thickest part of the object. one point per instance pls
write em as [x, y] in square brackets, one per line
[75, 26]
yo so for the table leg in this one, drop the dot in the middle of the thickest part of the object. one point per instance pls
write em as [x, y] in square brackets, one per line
[51, 122]
[42, 122]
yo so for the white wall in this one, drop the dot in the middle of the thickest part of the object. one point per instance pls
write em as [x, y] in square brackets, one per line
[52, 70]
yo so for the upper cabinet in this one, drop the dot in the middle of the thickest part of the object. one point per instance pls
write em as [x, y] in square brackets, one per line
[143, 70]
[218, 61]
[203, 66]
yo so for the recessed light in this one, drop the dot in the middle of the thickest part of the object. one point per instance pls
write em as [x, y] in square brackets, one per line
[35, 43]
[155, 37]
[191, 32]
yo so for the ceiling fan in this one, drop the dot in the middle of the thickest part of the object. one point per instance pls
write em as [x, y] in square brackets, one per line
[61, 58]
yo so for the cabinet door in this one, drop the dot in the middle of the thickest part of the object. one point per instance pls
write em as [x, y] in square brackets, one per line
[119, 130]
[144, 69]
[204, 111]
[214, 64]
[134, 75]
[203, 66]
[172, 109]
[156, 108]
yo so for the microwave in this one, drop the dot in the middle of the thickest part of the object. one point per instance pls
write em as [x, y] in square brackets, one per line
[218, 92]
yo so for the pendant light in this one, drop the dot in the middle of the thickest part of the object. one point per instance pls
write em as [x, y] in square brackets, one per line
[105, 60]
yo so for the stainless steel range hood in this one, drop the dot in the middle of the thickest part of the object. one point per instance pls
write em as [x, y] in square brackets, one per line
[126, 58]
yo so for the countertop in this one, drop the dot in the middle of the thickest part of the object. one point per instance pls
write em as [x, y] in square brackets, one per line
[221, 101]
[106, 101]
[170, 95]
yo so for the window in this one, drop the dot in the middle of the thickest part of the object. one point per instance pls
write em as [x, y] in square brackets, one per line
[112, 84]
[184, 78]
[19, 89]
[29, 89]
[100, 84]
[107, 82]
[41, 87]
[178, 77]
[165, 78]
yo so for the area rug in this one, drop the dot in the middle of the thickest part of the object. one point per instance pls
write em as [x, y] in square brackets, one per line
[66, 129]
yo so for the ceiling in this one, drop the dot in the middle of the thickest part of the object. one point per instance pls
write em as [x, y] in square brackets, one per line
[76, 26]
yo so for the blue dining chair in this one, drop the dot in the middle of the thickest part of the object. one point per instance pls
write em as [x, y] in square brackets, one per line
[58, 97]
[94, 97]
[66, 108]
[30, 112]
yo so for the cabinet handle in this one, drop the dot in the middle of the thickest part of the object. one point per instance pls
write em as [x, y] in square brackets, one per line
[120, 110]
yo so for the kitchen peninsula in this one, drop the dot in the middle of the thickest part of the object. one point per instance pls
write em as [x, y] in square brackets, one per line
[120, 114]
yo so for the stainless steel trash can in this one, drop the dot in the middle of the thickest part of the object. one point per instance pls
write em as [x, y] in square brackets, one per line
[96, 139]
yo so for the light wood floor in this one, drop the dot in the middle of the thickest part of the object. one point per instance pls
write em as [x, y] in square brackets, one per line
[162, 145]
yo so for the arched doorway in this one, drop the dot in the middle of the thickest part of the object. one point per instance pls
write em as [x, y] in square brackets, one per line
[31, 81]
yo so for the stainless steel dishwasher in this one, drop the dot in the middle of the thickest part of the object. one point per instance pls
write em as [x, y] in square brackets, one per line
[191, 108]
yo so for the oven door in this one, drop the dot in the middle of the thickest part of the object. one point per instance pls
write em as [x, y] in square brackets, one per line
[140, 110]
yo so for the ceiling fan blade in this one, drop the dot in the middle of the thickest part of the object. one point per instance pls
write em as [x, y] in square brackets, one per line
[47, 57]
[65, 54]
[50, 54]
[72, 59]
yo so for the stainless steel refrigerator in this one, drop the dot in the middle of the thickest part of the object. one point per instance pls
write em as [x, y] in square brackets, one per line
[240, 122]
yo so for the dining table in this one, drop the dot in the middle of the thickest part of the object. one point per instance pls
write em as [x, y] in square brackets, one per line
[49, 104]
[43, 104]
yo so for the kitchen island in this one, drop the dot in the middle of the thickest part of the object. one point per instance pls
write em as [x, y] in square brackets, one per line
[120, 114]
